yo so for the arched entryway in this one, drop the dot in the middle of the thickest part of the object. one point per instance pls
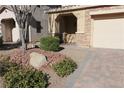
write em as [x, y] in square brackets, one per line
[67, 24]
[7, 26]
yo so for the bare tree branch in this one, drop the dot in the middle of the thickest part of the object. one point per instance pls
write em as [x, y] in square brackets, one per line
[22, 15]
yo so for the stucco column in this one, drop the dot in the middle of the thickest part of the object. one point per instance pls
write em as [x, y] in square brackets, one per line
[52, 24]
[3, 32]
[80, 21]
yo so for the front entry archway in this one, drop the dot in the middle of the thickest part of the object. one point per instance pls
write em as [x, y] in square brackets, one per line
[67, 27]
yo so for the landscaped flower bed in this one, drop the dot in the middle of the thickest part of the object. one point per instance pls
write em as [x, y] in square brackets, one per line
[20, 58]
[62, 65]
[18, 76]
[61, 68]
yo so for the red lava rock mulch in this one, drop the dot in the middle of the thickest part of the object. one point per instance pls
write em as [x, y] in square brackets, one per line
[19, 57]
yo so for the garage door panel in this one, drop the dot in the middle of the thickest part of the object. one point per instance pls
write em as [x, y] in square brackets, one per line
[109, 33]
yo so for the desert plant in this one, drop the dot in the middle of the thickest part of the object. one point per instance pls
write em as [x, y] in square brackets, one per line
[49, 43]
[64, 67]
[25, 78]
[5, 65]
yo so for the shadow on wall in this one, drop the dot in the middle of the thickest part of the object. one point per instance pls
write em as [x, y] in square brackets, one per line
[35, 24]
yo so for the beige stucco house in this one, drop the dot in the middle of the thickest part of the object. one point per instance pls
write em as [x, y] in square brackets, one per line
[8, 26]
[99, 26]
[38, 23]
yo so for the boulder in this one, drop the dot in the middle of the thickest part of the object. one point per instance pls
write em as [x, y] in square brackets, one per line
[37, 60]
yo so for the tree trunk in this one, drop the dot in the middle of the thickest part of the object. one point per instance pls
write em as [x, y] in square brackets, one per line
[24, 46]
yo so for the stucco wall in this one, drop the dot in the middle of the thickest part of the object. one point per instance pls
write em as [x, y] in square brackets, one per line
[39, 22]
[84, 28]
[15, 32]
[97, 11]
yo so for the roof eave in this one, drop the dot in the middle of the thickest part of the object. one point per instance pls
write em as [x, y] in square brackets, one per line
[73, 9]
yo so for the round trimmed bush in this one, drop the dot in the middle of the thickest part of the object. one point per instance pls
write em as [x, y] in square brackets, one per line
[25, 78]
[65, 67]
[49, 43]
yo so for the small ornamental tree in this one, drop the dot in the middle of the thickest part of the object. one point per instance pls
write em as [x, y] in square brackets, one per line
[22, 14]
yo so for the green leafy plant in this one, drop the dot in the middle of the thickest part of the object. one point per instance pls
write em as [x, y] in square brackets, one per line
[18, 76]
[49, 43]
[5, 65]
[65, 67]
[25, 78]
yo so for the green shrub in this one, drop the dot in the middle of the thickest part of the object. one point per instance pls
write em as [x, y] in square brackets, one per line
[16, 76]
[25, 78]
[5, 65]
[65, 67]
[49, 43]
[1, 40]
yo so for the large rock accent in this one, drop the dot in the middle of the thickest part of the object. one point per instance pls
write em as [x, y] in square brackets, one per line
[37, 60]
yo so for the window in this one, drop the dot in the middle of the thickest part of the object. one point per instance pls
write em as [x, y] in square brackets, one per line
[38, 27]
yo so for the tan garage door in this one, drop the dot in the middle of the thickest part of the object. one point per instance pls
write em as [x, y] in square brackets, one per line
[108, 32]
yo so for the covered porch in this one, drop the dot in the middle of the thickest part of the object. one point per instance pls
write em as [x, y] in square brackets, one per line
[69, 25]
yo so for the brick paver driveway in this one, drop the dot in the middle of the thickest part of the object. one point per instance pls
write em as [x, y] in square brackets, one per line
[99, 68]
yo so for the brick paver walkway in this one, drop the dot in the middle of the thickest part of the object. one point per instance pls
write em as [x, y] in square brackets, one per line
[99, 68]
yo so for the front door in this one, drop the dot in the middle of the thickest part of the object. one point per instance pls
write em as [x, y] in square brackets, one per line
[7, 26]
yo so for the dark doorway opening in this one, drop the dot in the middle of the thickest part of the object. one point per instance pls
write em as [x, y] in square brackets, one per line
[67, 27]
